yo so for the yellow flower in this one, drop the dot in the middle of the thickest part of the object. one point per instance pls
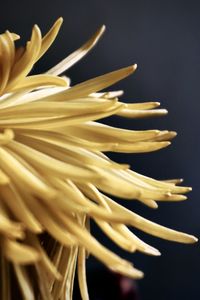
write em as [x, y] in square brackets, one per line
[55, 177]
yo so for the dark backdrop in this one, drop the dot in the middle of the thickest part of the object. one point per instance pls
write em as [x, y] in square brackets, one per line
[163, 38]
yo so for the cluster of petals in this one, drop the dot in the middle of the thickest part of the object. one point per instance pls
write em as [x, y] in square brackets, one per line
[55, 175]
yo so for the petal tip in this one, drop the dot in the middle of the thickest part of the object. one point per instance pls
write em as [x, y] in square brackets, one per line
[60, 20]
[134, 67]
[194, 239]
[102, 28]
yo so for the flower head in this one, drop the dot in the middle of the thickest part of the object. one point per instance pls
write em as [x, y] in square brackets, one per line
[55, 175]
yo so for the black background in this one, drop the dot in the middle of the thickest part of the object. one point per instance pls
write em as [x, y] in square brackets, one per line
[163, 38]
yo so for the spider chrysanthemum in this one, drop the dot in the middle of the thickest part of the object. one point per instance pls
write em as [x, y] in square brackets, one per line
[55, 176]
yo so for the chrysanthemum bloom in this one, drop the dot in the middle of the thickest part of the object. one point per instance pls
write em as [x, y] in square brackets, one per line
[55, 176]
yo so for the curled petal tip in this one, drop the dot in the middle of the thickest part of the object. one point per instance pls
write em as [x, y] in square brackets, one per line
[134, 67]
[36, 27]
[131, 69]
[195, 239]
[136, 274]
[189, 239]
[140, 275]
[152, 251]
[173, 134]
[103, 28]
[165, 144]
[60, 20]
[165, 111]
[154, 205]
